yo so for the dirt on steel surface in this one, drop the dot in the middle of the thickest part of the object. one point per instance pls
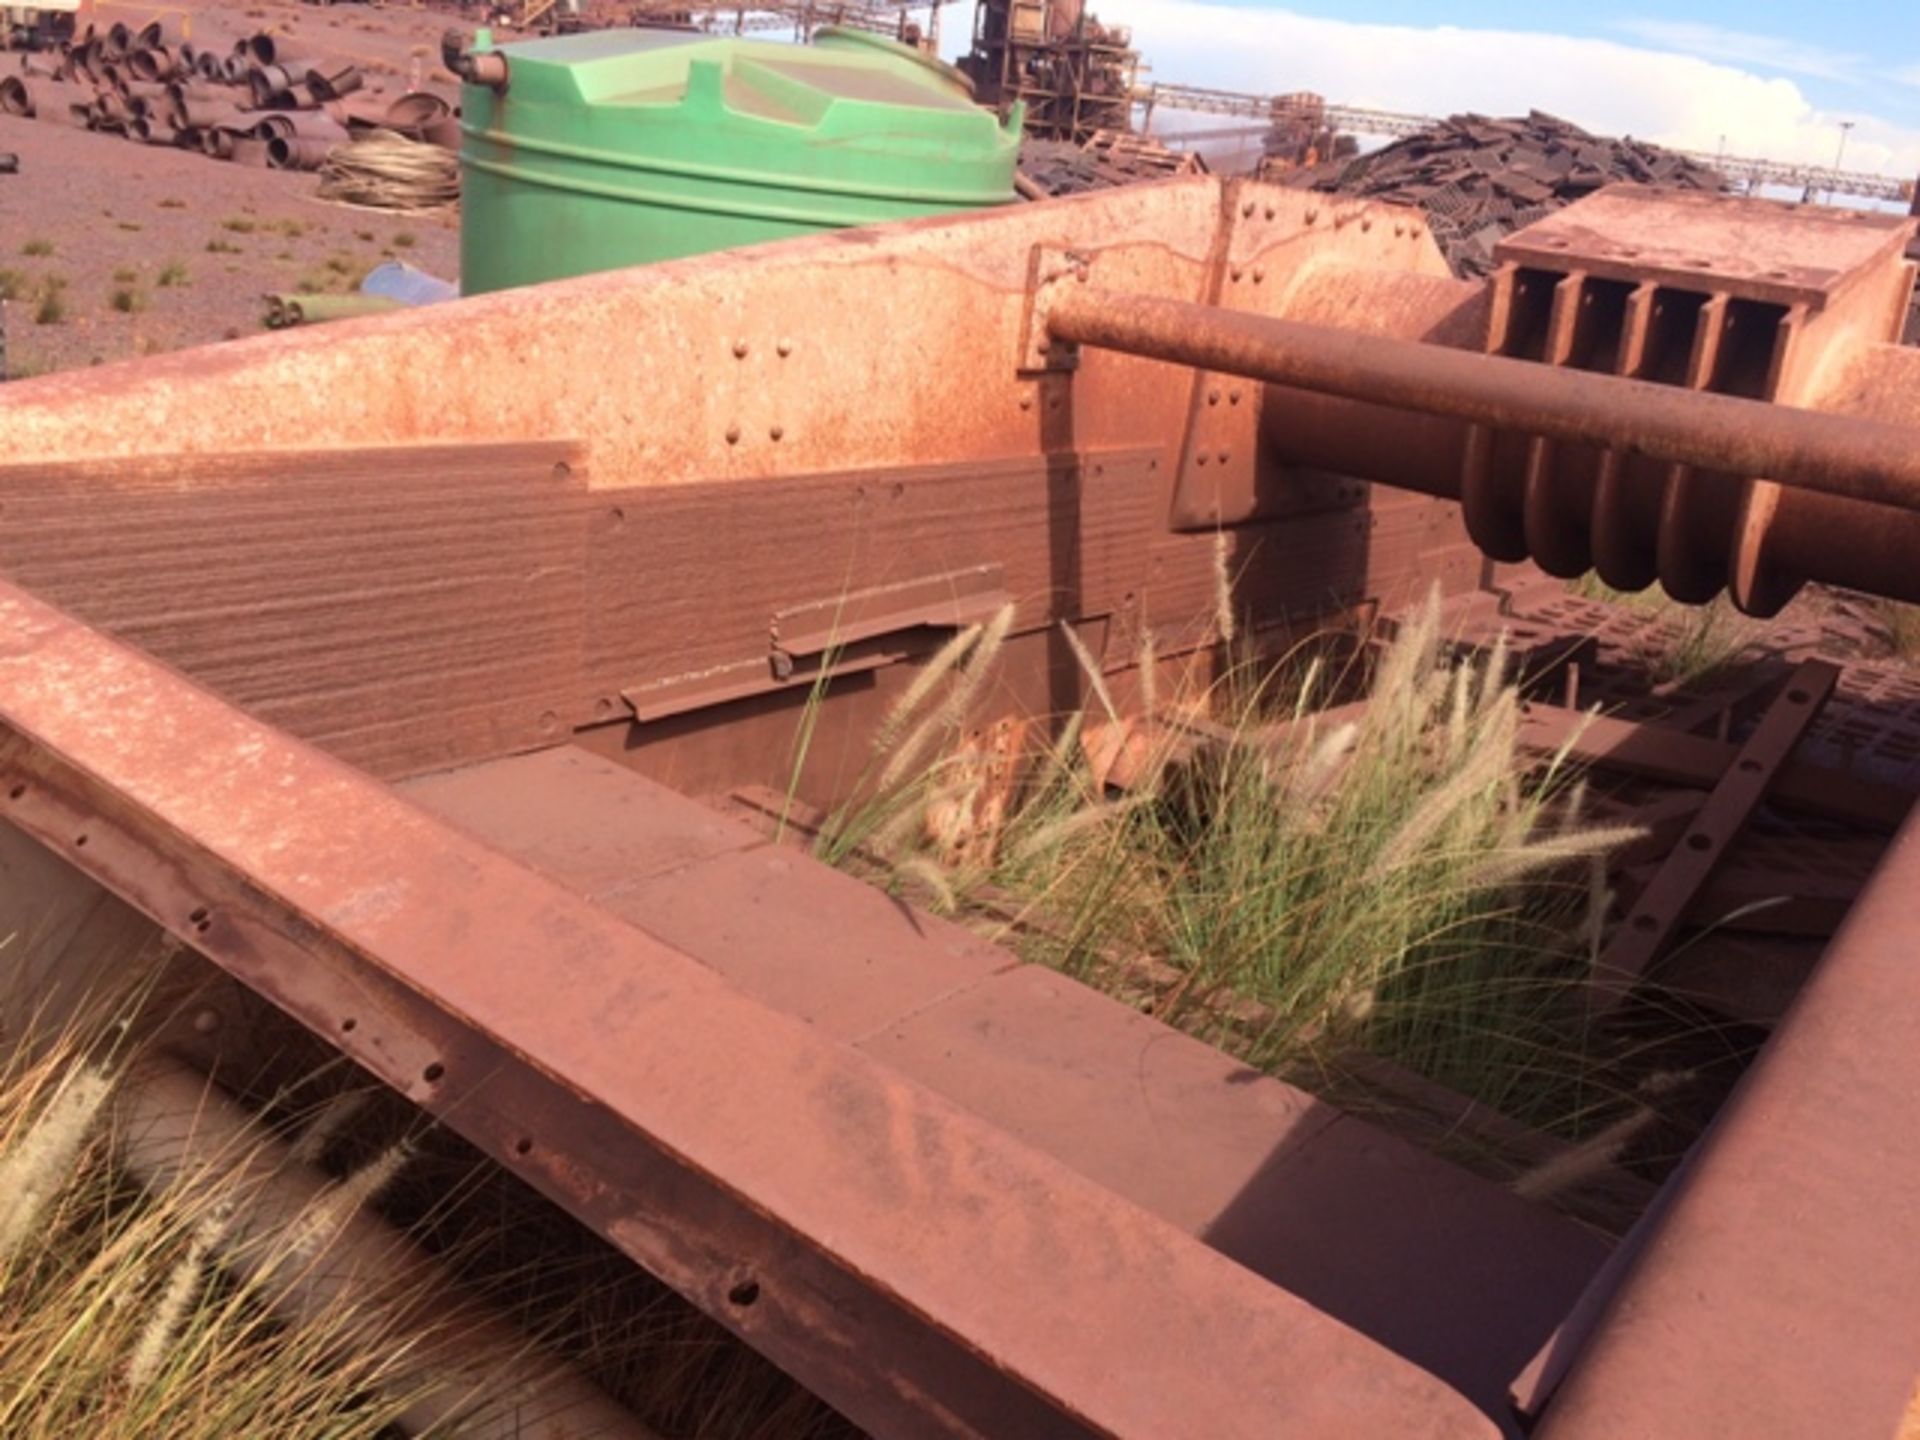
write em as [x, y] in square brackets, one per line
[147, 248]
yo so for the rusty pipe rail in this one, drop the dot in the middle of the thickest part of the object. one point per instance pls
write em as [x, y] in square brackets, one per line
[1854, 459]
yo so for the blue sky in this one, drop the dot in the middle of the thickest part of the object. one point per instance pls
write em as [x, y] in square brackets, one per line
[1842, 55]
[1774, 79]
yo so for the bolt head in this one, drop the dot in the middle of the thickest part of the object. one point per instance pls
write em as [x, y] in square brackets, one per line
[740, 349]
[206, 1021]
[775, 432]
[784, 348]
[733, 434]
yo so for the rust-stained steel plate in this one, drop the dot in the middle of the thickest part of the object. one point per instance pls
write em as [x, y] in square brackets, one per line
[1465, 1284]
[1751, 249]
[404, 607]
[913, 1265]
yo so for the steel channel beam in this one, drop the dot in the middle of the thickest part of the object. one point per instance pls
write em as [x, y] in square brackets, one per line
[1663, 753]
[1853, 458]
[912, 1264]
[1663, 905]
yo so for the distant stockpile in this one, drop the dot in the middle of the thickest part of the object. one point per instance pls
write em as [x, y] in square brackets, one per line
[1479, 179]
[1067, 167]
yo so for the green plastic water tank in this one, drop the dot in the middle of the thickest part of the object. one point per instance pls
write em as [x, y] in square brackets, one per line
[621, 147]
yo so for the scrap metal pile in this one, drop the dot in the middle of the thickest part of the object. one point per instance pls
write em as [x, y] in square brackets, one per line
[256, 104]
[1105, 159]
[1479, 179]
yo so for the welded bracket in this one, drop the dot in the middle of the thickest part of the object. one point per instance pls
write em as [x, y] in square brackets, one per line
[1217, 479]
[1049, 267]
[948, 602]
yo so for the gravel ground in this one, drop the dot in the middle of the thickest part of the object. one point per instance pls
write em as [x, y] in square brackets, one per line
[148, 248]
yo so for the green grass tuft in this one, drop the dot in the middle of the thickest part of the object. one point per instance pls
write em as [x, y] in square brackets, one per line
[1691, 642]
[173, 274]
[128, 300]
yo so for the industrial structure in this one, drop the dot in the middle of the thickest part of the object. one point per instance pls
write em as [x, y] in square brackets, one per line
[423, 776]
[462, 692]
[1073, 76]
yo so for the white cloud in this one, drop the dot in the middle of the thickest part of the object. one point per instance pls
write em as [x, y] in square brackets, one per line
[1742, 47]
[1607, 86]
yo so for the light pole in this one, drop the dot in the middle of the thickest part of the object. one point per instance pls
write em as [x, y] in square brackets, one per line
[1839, 155]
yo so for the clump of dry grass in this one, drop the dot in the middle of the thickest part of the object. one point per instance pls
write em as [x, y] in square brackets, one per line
[51, 307]
[1405, 881]
[134, 1312]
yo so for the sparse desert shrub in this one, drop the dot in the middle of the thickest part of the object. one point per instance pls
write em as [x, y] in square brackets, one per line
[52, 306]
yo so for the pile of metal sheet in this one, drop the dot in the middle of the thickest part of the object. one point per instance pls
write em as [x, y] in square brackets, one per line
[255, 104]
[1107, 158]
[1479, 179]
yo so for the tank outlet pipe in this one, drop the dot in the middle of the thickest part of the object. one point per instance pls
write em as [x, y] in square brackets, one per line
[479, 64]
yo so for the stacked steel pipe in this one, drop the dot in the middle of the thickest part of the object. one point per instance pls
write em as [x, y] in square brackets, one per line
[256, 104]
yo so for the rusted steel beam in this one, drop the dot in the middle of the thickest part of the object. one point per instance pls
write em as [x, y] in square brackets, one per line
[910, 1263]
[1678, 758]
[1837, 455]
[1662, 906]
[1776, 1294]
